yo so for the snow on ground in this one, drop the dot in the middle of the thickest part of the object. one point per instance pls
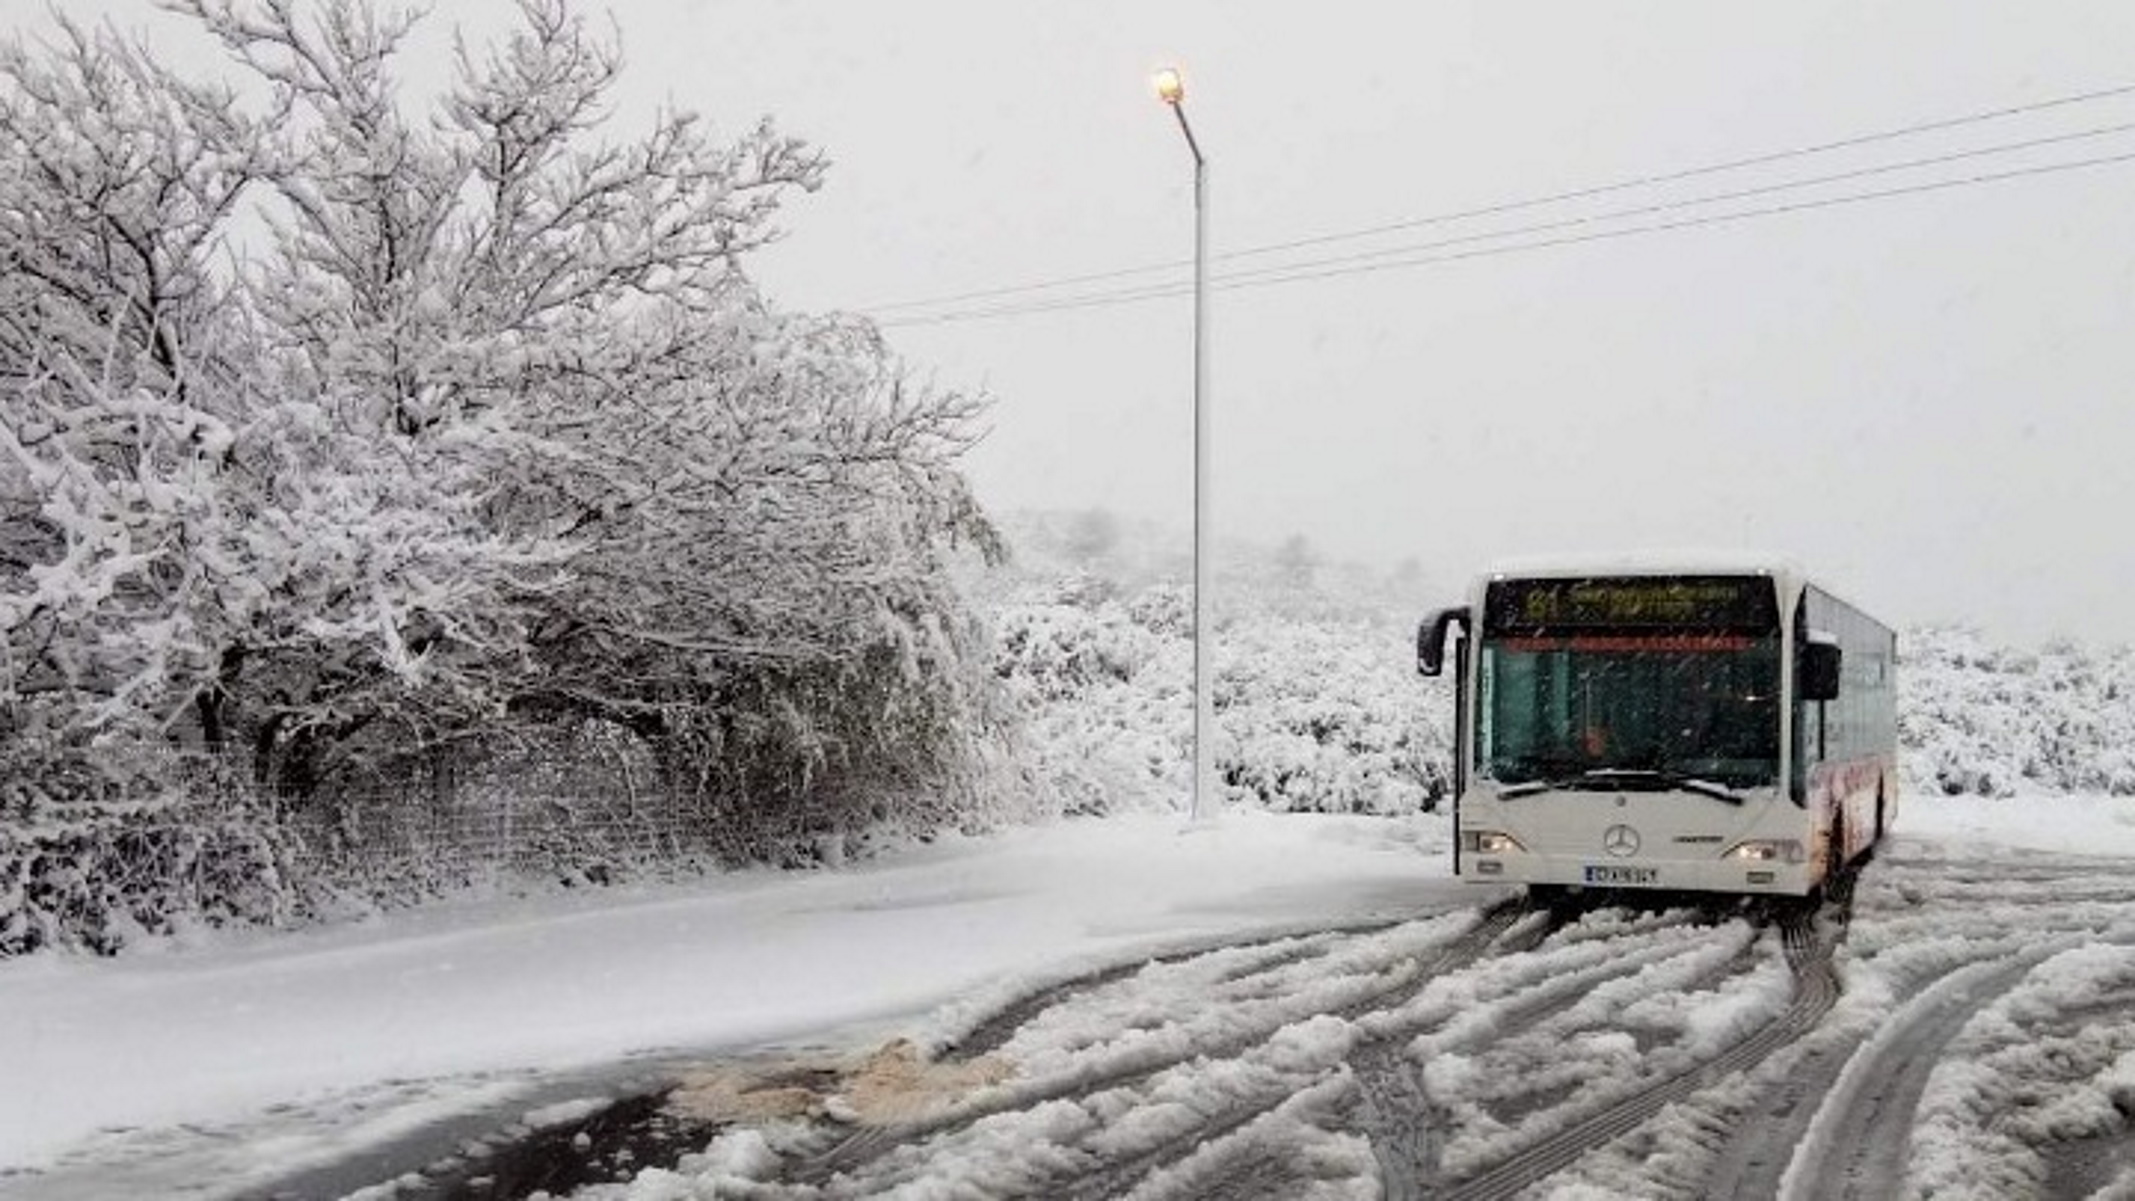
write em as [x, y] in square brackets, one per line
[2076, 824]
[2039, 1071]
[271, 1043]
[229, 1060]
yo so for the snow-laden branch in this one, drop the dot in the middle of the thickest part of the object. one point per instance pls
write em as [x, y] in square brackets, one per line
[343, 426]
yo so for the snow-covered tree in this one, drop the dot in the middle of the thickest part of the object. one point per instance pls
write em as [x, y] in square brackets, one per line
[354, 431]
[190, 523]
[117, 179]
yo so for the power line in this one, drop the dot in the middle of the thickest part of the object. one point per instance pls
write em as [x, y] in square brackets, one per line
[1713, 169]
[1800, 206]
[1334, 267]
[1301, 273]
[1499, 209]
[1695, 201]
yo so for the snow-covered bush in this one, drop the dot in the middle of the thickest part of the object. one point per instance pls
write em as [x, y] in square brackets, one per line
[1063, 649]
[1974, 717]
[1319, 714]
[1330, 716]
[105, 865]
[1098, 694]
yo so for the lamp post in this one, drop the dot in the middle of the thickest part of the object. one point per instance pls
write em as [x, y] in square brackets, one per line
[1171, 89]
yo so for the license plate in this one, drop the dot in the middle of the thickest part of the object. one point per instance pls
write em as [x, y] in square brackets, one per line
[1602, 873]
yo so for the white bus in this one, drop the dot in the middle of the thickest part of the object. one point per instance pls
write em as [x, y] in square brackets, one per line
[1704, 727]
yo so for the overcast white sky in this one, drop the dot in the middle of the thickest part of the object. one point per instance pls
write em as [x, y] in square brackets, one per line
[1921, 398]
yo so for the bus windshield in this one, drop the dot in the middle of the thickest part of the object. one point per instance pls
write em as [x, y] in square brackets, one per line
[1699, 707]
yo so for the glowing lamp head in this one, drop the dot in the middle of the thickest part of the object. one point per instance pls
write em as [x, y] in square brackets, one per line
[1170, 85]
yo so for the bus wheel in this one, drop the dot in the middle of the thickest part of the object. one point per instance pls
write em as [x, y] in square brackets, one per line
[1557, 899]
[1836, 861]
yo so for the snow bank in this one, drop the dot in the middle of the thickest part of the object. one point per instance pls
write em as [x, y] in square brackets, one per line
[217, 1032]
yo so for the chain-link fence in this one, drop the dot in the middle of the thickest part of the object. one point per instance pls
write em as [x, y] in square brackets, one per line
[360, 838]
[92, 867]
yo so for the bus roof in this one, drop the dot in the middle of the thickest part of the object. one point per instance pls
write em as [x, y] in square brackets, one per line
[1786, 572]
[1658, 562]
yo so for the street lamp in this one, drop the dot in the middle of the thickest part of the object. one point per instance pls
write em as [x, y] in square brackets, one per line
[1171, 89]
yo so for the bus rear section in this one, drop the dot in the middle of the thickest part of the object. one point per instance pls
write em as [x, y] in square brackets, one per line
[1640, 730]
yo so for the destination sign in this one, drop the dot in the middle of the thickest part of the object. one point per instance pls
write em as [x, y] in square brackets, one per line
[1648, 603]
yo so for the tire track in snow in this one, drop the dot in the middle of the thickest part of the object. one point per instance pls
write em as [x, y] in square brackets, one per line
[1496, 935]
[1493, 935]
[994, 1030]
[2088, 1165]
[1406, 1129]
[1855, 1143]
[1753, 1144]
[1808, 947]
[1386, 1102]
[1919, 920]
[853, 1154]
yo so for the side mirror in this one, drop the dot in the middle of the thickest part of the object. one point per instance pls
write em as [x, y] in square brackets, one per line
[1431, 639]
[1819, 668]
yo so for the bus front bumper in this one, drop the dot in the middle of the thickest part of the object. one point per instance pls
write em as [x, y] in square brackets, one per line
[1756, 877]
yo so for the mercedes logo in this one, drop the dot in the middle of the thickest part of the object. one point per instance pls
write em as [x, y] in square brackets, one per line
[1620, 841]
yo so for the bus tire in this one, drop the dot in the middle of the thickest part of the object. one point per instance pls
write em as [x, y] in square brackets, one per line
[1556, 898]
[1836, 860]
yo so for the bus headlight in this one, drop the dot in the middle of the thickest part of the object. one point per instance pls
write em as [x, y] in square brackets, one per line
[1768, 850]
[1489, 842]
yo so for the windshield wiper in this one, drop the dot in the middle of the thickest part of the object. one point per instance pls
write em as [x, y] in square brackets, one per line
[1659, 779]
[1585, 781]
[1636, 779]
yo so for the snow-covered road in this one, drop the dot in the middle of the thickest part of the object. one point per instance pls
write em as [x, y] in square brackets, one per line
[1966, 1028]
[228, 1061]
[1276, 1007]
